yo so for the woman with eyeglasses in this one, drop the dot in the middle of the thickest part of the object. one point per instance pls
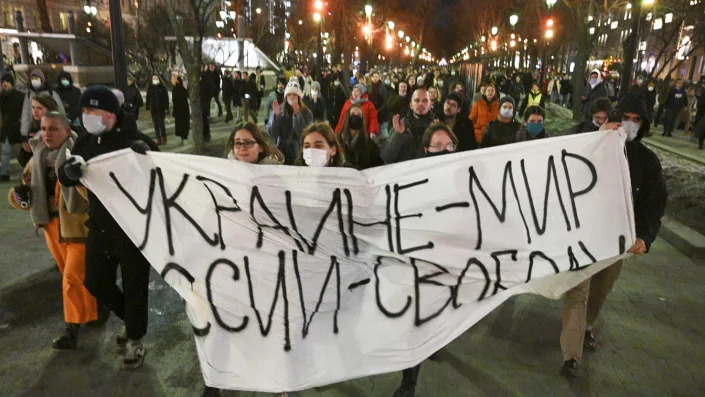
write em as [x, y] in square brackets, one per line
[437, 140]
[359, 148]
[249, 144]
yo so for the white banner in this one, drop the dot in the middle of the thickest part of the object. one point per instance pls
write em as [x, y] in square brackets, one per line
[296, 277]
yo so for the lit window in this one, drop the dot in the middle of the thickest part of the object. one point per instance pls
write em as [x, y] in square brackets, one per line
[658, 23]
[614, 25]
[669, 17]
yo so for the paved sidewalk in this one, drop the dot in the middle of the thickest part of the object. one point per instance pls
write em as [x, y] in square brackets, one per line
[650, 336]
[680, 144]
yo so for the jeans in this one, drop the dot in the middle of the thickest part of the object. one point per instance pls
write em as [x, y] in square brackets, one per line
[6, 152]
[159, 127]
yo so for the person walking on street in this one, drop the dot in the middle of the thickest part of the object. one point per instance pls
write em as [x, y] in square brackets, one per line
[593, 90]
[289, 122]
[582, 304]
[238, 85]
[676, 101]
[158, 105]
[69, 95]
[228, 90]
[11, 102]
[41, 105]
[483, 111]
[61, 212]
[215, 76]
[665, 88]
[133, 98]
[249, 97]
[107, 245]
[181, 111]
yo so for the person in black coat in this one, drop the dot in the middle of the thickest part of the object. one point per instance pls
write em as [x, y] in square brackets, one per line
[133, 98]
[228, 89]
[462, 127]
[593, 90]
[11, 102]
[502, 131]
[249, 97]
[360, 150]
[181, 112]
[69, 96]
[600, 111]
[316, 103]
[215, 76]
[107, 245]
[238, 86]
[158, 105]
[335, 100]
[649, 195]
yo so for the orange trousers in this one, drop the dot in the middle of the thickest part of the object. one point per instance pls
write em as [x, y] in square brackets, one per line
[80, 306]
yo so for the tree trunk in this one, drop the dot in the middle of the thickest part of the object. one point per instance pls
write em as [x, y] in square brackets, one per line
[578, 78]
[630, 48]
[43, 11]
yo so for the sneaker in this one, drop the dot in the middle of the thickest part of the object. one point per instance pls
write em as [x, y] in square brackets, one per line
[121, 337]
[570, 369]
[68, 339]
[134, 356]
[589, 341]
[210, 392]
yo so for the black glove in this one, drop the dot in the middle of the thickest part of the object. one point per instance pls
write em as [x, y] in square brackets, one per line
[73, 167]
[140, 147]
[23, 196]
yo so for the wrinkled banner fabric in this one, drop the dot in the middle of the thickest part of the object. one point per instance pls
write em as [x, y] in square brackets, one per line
[297, 277]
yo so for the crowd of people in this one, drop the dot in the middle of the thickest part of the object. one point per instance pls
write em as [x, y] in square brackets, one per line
[360, 121]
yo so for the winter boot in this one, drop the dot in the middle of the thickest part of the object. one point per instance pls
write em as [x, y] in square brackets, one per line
[68, 339]
[134, 356]
[408, 382]
[570, 369]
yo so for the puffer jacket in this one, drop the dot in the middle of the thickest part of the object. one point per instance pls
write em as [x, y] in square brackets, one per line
[483, 111]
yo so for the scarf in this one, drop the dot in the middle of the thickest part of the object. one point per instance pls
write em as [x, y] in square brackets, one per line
[359, 101]
[43, 158]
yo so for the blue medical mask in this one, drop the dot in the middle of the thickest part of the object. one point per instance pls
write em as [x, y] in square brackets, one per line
[534, 128]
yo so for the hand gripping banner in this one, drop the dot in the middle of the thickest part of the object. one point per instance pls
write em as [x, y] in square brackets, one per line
[296, 277]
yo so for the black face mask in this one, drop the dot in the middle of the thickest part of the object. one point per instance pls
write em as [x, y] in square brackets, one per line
[355, 122]
[434, 154]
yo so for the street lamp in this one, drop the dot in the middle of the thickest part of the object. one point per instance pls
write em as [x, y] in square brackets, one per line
[318, 5]
[258, 10]
[400, 34]
[368, 10]
[390, 24]
[494, 30]
[317, 17]
[551, 3]
[513, 19]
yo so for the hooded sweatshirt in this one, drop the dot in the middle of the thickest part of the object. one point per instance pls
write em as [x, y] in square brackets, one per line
[26, 120]
[69, 96]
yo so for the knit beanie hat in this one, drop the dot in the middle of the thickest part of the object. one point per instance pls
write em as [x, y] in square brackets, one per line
[99, 97]
[293, 88]
[509, 99]
[360, 87]
[316, 86]
[37, 73]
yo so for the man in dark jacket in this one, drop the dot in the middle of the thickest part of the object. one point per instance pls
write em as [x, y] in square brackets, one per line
[158, 104]
[206, 89]
[378, 96]
[107, 245]
[599, 113]
[405, 143]
[69, 96]
[215, 76]
[676, 101]
[649, 195]
[11, 102]
[133, 98]
[664, 90]
[335, 99]
[593, 90]
[228, 90]
[462, 127]
[502, 131]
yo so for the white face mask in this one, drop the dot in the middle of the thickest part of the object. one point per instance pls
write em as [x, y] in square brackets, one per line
[291, 102]
[93, 123]
[155, 81]
[651, 88]
[506, 113]
[314, 93]
[631, 128]
[36, 83]
[315, 157]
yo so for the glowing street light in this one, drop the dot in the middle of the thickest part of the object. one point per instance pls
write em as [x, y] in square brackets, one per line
[494, 30]
[318, 5]
[408, 39]
[549, 22]
[400, 34]
[391, 25]
[551, 3]
[549, 33]
[368, 10]
[317, 17]
[301, 22]
[513, 19]
[366, 29]
[258, 10]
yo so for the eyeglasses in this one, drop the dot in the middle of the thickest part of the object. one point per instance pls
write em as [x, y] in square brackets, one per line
[439, 148]
[636, 119]
[246, 144]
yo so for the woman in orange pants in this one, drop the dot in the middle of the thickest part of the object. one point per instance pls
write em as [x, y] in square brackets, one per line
[62, 213]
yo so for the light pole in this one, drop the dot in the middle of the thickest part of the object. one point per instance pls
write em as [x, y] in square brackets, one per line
[318, 6]
[118, 41]
[368, 32]
[548, 36]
